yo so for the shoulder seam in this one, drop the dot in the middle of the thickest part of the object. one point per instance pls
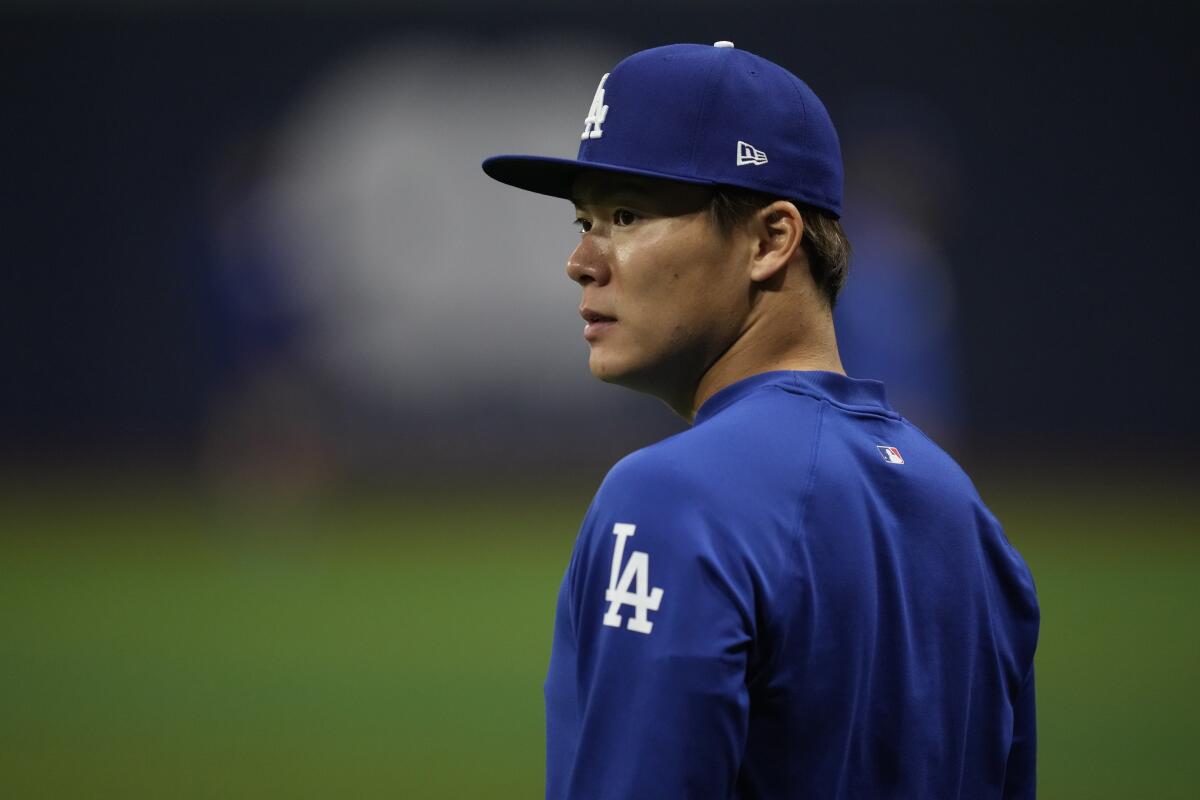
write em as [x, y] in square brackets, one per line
[806, 496]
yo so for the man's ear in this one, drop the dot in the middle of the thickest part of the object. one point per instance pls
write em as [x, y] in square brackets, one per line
[778, 230]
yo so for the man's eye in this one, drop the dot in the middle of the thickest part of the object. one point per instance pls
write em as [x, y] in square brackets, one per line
[624, 217]
[583, 224]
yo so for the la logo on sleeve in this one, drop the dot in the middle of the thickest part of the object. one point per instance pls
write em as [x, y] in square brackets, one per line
[636, 574]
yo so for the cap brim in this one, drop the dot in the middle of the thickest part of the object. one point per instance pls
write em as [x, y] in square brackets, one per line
[556, 176]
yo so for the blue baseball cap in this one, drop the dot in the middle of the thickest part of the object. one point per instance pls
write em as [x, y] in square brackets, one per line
[706, 115]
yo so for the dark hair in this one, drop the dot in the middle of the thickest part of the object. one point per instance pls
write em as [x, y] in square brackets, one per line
[824, 241]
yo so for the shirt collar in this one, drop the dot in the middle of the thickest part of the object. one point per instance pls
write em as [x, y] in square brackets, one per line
[855, 394]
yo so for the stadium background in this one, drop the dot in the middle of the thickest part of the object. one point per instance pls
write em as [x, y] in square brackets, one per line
[296, 427]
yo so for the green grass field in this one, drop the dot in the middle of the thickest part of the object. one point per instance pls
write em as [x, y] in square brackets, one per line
[151, 646]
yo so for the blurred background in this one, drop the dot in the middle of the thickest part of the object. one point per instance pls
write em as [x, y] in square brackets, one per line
[296, 427]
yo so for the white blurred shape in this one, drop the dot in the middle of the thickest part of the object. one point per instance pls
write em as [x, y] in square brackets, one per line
[424, 279]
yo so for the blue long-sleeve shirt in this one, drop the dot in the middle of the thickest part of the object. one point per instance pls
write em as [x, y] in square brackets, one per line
[800, 596]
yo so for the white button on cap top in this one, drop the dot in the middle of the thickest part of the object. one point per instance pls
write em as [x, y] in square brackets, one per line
[722, 44]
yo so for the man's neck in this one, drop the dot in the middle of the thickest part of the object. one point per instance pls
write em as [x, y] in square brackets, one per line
[754, 354]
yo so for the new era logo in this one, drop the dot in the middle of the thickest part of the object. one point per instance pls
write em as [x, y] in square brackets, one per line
[749, 154]
[890, 454]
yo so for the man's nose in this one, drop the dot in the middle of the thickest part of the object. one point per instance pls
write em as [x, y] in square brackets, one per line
[588, 263]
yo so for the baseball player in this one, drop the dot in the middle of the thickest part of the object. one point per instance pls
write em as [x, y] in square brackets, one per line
[801, 596]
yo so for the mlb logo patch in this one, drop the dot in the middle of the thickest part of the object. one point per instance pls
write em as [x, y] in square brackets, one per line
[890, 454]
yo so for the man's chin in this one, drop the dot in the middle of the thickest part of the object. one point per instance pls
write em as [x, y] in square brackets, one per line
[606, 369]
[603, 372]
[637, 377]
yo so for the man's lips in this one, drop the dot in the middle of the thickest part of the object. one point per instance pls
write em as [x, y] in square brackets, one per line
[597, 323]
[591, 315]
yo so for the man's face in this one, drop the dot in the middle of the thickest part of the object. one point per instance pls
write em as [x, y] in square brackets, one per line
[664, 292]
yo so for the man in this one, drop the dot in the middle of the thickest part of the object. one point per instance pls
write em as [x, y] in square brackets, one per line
[801, 595]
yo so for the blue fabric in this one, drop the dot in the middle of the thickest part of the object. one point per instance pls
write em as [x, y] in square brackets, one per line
[831, 625]
[681, 111]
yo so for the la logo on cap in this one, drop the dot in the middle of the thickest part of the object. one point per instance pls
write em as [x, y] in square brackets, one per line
[596, 114]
